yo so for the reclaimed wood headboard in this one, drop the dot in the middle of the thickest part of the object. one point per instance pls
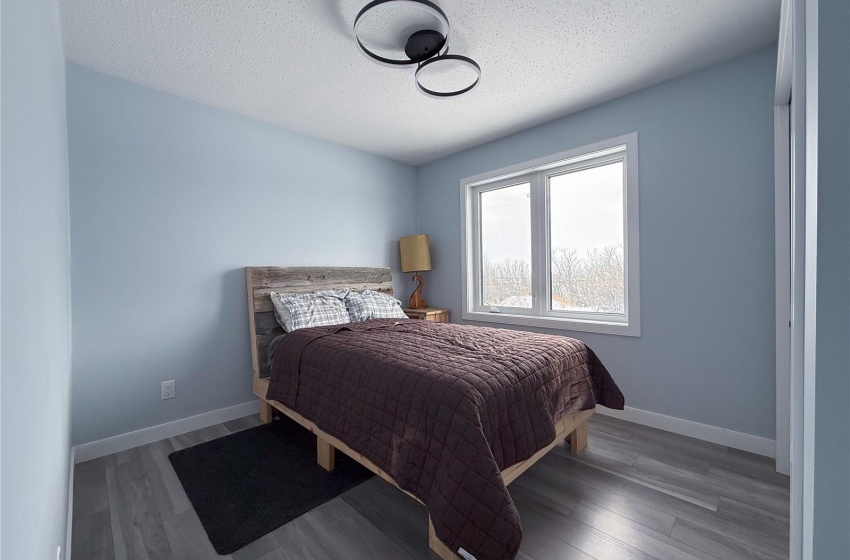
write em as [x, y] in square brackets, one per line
[263, 280]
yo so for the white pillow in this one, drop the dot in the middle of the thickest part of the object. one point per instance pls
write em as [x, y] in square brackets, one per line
[313, 309]
[367, 304]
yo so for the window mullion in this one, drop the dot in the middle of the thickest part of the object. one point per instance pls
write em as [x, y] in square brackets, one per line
[476, 249]
[539, 228]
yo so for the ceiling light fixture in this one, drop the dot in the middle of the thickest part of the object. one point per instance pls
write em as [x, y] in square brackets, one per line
[426, 49]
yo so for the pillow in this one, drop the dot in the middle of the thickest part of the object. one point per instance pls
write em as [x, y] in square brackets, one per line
[367, 304]
[313, 309]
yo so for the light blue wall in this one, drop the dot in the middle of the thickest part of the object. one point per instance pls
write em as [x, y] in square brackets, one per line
[832, 422]
[706, 352]
[170, 199]
[35, 310]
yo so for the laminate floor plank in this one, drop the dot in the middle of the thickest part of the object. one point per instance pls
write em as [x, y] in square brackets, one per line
[687, 477]
[719, 545]
[539, 517]
[243, 423]
[167, 491]
[347, 530]
[538, 545]
[727, 476]
[731, 479]
[763, 468]
[681, 509]
[774, 530]
[607, 448]
[609, 429]
[668, 481]
[776, 506]
[127, 456]
[656, 544]
[137, 530]
[637, 493]
[398, 517]
[651, 450]
[90, 493]
[760, 494]
[92, 536]
[558, 486]
[259, 548]
[771, 521]
[655, 440]
[198, 436]
[653, 543]
[187, 538]
[296, 541]
[279, 554]
[558, 497]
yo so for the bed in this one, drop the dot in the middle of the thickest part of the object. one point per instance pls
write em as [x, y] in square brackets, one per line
[449, 414]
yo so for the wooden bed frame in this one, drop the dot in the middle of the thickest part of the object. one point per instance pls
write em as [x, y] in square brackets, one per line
[261, 281]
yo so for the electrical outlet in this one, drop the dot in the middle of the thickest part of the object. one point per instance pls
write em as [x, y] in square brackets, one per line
[166, 390]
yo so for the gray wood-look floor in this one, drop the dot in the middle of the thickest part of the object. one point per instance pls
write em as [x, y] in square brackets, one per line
[636, 493]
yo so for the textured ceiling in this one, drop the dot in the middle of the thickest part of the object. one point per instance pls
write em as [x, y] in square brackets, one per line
[295, 63]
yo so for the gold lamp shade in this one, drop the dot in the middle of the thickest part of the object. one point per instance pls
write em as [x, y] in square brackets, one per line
[415, 257]
[415, 253]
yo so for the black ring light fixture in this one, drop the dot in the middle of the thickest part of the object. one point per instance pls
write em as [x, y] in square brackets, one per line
[424, 48]
[448, 58]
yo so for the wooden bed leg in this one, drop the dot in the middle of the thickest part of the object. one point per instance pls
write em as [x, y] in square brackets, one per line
[266, 411]
[325, 454]
[578, 439]
[439, 547]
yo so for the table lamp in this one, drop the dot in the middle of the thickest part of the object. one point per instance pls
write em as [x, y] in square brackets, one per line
[415, 257]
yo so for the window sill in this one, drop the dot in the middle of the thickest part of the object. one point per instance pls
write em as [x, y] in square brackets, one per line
[575, 325]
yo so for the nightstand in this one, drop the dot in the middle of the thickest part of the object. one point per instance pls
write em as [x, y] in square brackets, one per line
[437, 314]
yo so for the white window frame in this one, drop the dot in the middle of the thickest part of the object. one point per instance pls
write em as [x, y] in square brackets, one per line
[537, 172]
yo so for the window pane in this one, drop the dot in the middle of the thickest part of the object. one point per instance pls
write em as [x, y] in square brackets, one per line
[506, 246]
[586, 232]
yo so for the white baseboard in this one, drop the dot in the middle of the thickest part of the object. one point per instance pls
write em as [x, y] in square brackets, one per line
[144, 436]
[713, 434]
[705, 432]
[69, 523]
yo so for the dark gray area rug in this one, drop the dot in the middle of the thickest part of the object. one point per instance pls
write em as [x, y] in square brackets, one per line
[247, 484]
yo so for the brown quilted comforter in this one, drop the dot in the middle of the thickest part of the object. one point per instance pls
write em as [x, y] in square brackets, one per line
[442, 408]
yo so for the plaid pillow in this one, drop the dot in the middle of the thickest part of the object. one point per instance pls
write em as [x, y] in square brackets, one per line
[313, 309]
[367, 304]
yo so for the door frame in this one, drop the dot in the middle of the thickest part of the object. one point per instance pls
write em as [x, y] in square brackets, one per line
[796, 262]
[783, 243]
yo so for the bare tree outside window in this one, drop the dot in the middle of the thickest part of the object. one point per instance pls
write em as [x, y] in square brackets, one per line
[507, 282]
[594, 282]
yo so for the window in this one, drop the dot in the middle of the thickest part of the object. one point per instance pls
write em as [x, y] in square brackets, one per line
[554, 242]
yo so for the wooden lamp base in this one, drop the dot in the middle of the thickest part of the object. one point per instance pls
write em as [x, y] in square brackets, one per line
[416, 300]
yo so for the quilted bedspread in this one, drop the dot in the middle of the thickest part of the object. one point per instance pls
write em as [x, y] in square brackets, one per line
[442, 408]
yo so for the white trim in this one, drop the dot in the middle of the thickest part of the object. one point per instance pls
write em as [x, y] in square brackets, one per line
[535, 172]
[784, 57]
[571, 324]
[782, 242]
[545, 162]
[705, 432]
[144, 436]
[809, 28]
[801, 512]
[69, 524]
